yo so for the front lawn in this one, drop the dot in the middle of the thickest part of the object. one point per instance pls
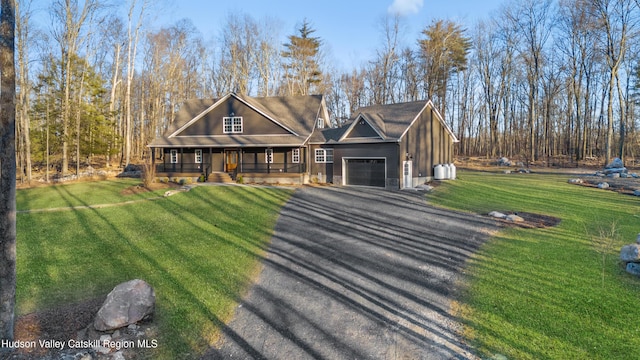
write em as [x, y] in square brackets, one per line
[540, 293]
[82, 194]
[200, 250]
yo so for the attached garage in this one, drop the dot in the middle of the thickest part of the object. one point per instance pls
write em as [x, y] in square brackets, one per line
[392, 146]
[365, 171]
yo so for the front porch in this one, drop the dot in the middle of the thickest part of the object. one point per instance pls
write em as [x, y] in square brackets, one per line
[288, 165]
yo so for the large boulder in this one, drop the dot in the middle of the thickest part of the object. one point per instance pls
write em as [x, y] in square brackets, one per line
[616, 163]
[630, 253]
[126, 304]
[615, 167]
[503, 161]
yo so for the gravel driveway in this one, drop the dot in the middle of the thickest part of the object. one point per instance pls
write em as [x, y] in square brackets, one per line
[357, 273]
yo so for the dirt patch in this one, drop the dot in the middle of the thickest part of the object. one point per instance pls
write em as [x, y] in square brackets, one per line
[61, 323]
[69, 323]
[140, 189]
[620, 185]
[531, 220]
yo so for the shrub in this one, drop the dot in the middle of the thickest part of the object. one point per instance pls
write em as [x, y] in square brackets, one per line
[240, 180]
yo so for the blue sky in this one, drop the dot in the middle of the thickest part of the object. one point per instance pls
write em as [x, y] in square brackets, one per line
[349, 28]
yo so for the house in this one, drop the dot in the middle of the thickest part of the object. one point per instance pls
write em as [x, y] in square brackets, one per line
[261, 139]
[288, 140]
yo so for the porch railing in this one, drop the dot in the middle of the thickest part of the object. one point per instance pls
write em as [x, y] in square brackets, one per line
[271, 168]
[196, 168]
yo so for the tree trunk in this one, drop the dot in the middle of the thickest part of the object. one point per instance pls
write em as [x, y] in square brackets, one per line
[112, 102]
[78, 120]
[609, 139]
[22, 34]
[7, 170]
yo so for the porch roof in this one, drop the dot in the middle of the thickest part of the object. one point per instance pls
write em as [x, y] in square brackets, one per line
[227, 141]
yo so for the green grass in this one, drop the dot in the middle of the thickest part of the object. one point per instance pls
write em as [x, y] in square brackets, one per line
[200, 250]
[539, 293]
[80, 194]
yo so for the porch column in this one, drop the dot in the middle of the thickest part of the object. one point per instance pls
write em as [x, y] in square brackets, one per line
[269, 162]
[210, 162]
[181, 159]
[306, 160]
[285, 161]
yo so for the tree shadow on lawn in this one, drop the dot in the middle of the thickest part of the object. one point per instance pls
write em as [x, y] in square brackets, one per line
[102, 228]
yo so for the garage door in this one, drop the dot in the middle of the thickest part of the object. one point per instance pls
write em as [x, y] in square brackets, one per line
[366, 172]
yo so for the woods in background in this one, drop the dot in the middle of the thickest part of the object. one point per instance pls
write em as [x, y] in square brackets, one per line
[539, 80]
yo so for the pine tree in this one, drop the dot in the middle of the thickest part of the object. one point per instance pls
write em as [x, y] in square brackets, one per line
[92, 123]
[444, 52]
[301, 57]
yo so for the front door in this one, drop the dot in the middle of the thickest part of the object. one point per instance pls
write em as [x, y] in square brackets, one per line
[407, 174]
[231, 162]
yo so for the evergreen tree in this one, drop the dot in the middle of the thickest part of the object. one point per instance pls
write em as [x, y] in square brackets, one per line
[444, 52]
[301, 61]
[89, 114]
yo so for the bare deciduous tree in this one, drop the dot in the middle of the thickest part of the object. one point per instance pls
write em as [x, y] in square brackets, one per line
[534, 24]
[23, 17]
[616, 19]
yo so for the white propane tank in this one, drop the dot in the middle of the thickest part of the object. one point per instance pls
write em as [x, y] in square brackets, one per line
[438, 172]
[452, 169]
[447, 171]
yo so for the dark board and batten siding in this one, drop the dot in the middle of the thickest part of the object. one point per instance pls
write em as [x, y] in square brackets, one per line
[254, 123]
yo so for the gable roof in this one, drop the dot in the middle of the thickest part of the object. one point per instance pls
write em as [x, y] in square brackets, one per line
[296, 114]
[390, 121]
[364, 128]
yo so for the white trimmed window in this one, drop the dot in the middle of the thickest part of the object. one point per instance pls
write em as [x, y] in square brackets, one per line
[329, 155]
[320, 123]
[174, 156]
[268, 156]
[198, 156]
[324, 155]
[295, 156]
[232, 125]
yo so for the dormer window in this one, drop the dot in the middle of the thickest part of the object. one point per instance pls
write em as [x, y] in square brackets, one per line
[232, 125]
[320, 123]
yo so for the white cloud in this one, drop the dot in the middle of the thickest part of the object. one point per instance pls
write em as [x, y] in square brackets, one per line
[405, 7]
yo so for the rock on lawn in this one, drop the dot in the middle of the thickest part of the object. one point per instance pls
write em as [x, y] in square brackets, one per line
[126, 304]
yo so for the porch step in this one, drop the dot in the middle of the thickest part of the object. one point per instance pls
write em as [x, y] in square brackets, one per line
[220, 177]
